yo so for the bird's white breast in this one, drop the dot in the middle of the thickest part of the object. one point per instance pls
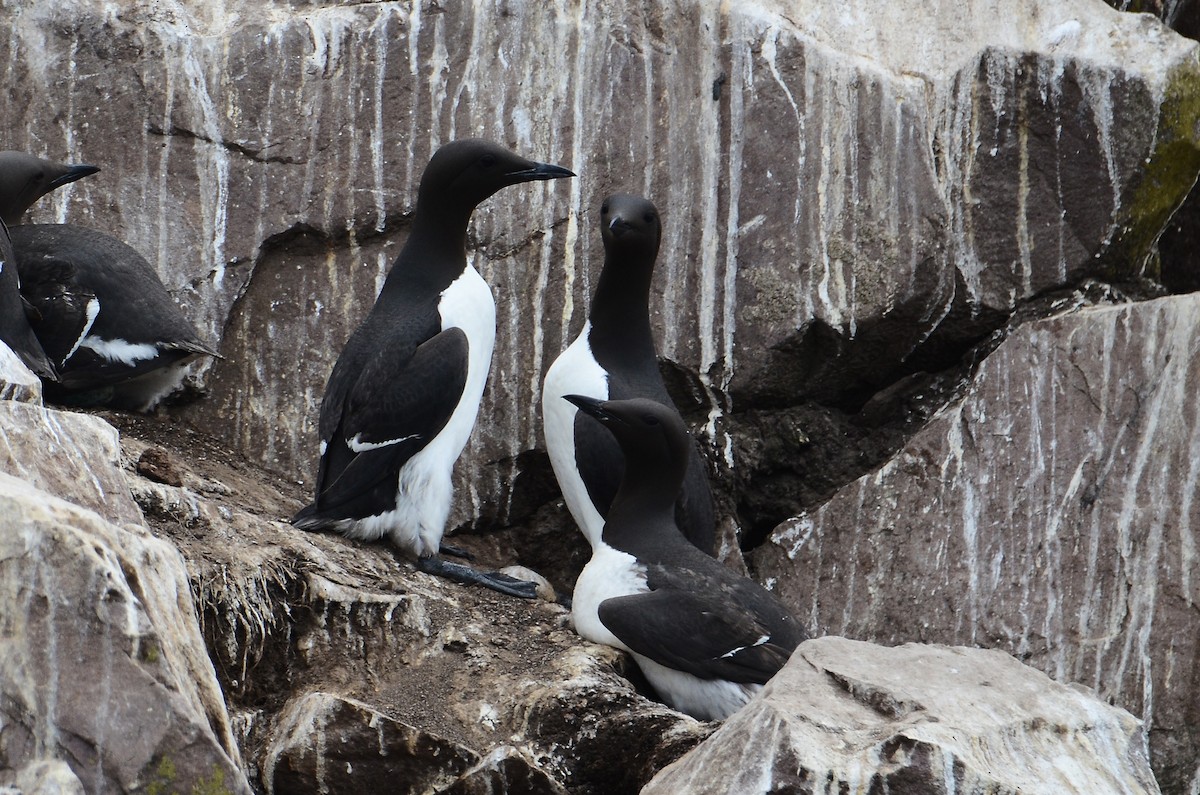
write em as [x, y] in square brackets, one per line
[610, 573]
[574, 372]
[424, 490]
[467, 304]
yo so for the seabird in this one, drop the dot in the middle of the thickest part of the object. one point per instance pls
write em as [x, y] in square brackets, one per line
[706, 638]
[23, 180]
[614, 358]
[402, 398]
[104, 318]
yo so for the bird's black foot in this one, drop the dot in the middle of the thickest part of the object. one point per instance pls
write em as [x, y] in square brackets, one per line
[453, 551]
[522, 589]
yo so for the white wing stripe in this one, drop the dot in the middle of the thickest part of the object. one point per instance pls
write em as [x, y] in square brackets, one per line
[357, 445]
[93, 312]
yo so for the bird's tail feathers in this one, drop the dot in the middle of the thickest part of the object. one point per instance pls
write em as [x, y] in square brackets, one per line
[308, 519]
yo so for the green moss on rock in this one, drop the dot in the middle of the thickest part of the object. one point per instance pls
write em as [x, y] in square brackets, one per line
[1171, 171]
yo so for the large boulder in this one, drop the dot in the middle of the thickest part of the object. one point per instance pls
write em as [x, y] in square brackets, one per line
[105, 683]
[847, 716]
[1050, 513]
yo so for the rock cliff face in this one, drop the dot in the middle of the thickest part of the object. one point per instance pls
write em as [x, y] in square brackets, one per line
[1049, 513]
[847, 197]
[887, 228]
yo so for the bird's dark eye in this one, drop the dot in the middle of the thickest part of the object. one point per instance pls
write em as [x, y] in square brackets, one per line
[604, 209]
[648, 218]
[488, 160]
[650, 419]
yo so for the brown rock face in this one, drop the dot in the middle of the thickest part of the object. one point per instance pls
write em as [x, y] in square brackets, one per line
[914, 720]
[1049, 514]
[326, 743]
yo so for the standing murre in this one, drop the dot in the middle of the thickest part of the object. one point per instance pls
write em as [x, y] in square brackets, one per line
[614, 358]
[403, 396]
[23, 180]
[706, 638]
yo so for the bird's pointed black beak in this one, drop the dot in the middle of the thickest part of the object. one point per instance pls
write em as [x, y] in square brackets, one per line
[539, 171]
[592, 407]
[73, 173]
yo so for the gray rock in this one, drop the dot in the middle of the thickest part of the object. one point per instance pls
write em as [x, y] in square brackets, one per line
[48, 777]
[1050, 514]
[850, 716]
[504, 771]
[70, 455]
[102, 667]
[17, 382]
[324, 743]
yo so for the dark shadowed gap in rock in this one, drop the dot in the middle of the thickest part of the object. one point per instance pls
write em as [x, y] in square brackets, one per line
[1179, 246]
[252, 659]
[1181, 15]
[792, 458]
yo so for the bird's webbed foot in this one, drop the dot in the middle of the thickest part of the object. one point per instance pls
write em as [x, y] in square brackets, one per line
[433, 564]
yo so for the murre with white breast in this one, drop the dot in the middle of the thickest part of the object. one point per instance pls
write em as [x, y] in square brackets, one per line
[706, 638]
[403, 396]
[104, 317]
[614, 358]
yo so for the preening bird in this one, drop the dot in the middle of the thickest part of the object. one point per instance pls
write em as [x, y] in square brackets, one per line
[706, 638]
[614, 358]
[403, 396]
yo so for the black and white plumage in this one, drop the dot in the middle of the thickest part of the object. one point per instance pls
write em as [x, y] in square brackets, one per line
[23, 180]
[103, 317]
[706, 638]
[403, 396]
[614, 358]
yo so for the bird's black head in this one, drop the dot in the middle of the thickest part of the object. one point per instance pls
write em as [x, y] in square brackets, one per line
[24, 179]
[651, 435]
[463, 173]
[630, 223]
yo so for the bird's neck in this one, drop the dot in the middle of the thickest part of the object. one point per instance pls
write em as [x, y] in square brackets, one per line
[644, 500]
[434, 255]
[620, 310]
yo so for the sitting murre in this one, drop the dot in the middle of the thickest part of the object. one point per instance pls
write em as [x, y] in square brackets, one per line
[403, 396]
[104, 318]
[614, 358]
[706, 638]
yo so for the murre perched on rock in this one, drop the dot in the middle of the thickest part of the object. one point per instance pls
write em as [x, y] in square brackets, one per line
[104, 317]
[706, 638]
[614, 358]
[403, 396]
[23, 180]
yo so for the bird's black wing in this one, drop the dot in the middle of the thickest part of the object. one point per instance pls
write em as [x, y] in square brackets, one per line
[394, 407]
[709, 635]
[61, 305]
